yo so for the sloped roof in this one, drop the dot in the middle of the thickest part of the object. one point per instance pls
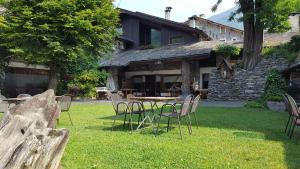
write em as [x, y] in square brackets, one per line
[178, 25]
[193, 50]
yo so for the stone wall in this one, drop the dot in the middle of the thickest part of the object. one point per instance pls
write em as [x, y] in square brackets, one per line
[246, 84]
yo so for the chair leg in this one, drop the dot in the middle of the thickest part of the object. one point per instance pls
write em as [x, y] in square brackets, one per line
[139, 119]
[168, 124]
[195, 117]
[157, 125]
[70, 118]
[131, 122]
[113, 125]
[179, 127]
[124, 120]
[292, 129]
[287, 124]
[189, 124]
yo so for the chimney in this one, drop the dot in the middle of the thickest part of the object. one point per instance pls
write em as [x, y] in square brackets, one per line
[167, 12]
[192, 21]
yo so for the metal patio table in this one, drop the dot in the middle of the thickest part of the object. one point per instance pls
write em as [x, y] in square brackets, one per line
[155, 100]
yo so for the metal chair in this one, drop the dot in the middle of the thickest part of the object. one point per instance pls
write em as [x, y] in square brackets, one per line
[3, 105]
[183, 112]
[120, 108]
[136, 108]
[194, 108]
[23, 95]
[295, 115]
[65, 104]
[289, 111]
[129, 96]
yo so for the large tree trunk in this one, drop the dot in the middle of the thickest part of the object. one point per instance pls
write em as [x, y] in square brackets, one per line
[253, 34]
[53, 78]
[27, 135]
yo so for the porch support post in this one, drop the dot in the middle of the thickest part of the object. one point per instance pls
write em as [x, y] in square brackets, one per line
[186, 77]
[113, 81]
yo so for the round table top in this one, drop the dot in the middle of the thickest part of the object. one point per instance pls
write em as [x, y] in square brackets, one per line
[154, 98]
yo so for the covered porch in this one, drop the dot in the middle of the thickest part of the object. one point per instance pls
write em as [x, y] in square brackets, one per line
[168, 71]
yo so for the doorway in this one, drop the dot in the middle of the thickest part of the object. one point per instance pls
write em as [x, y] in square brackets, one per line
[150, 85]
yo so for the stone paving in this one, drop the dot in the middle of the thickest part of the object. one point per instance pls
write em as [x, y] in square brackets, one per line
[206, 103]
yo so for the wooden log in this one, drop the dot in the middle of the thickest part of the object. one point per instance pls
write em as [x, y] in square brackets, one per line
[27, 135]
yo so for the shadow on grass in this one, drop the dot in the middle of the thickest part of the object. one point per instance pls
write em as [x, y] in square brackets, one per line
[246, 123]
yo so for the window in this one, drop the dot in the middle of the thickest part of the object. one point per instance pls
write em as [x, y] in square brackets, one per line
[155, 38]
[149, 37]
[177, 40]
[205, 80]
[120, 30]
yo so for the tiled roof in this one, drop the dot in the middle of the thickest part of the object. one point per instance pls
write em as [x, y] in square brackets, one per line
[193, 50]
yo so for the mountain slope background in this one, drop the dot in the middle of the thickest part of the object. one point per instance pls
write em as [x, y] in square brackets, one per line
[222, 18]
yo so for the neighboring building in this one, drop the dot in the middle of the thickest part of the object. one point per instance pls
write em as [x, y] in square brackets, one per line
[295, 21]
[160, 57]
[216, 30]
[21, 78]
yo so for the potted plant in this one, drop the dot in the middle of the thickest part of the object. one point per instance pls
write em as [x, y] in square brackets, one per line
[274, 89]
[275, 103]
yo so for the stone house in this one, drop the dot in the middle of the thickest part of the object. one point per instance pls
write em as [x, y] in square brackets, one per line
[216, 31]
[295, 21]
[160, 57]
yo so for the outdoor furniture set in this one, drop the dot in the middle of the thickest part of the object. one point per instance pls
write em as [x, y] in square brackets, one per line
[179, 110]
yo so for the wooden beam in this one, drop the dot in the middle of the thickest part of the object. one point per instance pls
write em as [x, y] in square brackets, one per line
[186, 79]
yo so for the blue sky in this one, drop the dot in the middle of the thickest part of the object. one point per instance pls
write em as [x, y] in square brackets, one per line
[182, 9]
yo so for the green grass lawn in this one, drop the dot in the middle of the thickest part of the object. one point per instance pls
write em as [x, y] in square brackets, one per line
[226, 138]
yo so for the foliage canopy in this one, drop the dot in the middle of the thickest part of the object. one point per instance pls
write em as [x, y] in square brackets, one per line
[58, 32]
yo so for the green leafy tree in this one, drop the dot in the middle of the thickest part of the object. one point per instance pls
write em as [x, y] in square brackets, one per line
[260, 15]
[58, 32]
[228, 51]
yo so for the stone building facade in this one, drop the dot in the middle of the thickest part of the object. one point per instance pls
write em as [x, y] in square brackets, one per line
[245, 84]
[295, 22]
[216, 30]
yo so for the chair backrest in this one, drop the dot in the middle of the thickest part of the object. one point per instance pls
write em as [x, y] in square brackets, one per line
[130, 96]
[115, 99]
[65, 102]
[136, 107]
[186, 105]
[195, 104]
[294, 107]
[287, 104]
[23, 95]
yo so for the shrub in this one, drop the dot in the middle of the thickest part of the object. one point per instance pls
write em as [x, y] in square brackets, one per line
[275, 86]
[281, 51]
[255, 104]
[228, 51]
[295, 43]
[84, 84]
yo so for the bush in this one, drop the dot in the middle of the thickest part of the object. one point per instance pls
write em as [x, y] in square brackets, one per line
[289, 50]
[228, 51]
[295, 43]
[281, 51]
[84, 84]
[255, 104]
[275, 86]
